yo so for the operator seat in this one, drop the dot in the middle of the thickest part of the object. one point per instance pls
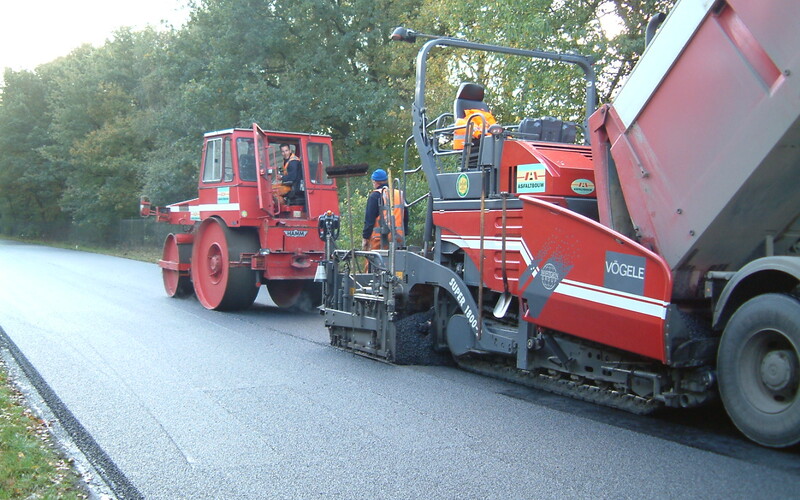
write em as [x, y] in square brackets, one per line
[468, 96]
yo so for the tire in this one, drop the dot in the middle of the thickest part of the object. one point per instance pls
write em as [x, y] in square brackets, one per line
[217, 284]
[176, 283]
[758, 369]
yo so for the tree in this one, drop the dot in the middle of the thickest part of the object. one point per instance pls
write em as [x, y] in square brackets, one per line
[99, 190]
[98, 131]
[293, 65]
[30, 185]
[85, 134]
[520, 87]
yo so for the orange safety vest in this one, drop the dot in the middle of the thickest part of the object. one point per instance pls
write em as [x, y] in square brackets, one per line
[286, 162]
[382, 232]
[477, 126]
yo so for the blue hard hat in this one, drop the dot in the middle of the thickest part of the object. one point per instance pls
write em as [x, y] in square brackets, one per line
[379, 175]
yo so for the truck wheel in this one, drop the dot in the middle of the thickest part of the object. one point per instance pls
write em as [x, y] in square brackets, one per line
[176, 282]
[217, 283]
[758, 369]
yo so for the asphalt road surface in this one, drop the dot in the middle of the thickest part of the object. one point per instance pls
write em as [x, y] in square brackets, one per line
[175, 401]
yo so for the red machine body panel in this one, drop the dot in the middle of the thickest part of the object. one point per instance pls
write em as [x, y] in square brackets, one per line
[551, 172]
[547, 169]
[605, 287]
[586, 280]
[459, 228]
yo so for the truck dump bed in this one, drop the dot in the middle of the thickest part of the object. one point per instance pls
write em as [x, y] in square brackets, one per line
[704, 139]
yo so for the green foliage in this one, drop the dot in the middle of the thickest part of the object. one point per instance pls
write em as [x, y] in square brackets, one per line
[83, 136]
[30, 184]
[170, 172]
[518, 87]
[99, 189]
[300, 65]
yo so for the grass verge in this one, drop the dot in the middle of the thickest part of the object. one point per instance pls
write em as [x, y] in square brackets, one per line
[30, 465]
[150, 255]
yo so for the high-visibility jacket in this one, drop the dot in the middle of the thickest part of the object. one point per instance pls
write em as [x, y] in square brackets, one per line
[286, 162]
[293, 177]
[390, 213]
[477, 126]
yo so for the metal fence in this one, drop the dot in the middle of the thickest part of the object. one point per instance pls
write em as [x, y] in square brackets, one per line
[128, 233]
[144, 233]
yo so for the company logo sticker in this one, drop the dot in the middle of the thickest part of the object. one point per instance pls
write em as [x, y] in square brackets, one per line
[224, 195]
[549, 276]
[537, 291]
[531, 178]
[462, 185]
[625, 273]
[194, 213]
[582, 186]
[295, 233]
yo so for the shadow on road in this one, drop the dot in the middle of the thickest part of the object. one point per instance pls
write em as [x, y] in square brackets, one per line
[707, 428]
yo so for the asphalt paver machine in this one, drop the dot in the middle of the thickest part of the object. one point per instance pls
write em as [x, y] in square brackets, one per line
[656, 267]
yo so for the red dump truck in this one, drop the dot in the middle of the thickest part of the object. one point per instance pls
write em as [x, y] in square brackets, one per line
[658, 266]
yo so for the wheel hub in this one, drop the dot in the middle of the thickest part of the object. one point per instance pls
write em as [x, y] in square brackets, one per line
[779, 370]
[215, 263]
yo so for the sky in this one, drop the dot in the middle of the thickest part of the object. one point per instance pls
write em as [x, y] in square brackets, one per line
[33, 32]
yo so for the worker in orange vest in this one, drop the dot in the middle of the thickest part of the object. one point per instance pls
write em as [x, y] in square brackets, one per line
[292, 175]
[480, 126]
[384, 214]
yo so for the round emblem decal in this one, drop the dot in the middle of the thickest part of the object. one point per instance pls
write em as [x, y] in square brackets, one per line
[549, 276]
[462, 185]
[582, 186]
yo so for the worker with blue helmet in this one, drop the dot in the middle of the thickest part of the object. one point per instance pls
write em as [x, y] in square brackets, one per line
[385, 219]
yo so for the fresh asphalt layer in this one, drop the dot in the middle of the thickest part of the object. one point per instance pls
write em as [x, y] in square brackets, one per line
[179, 402]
